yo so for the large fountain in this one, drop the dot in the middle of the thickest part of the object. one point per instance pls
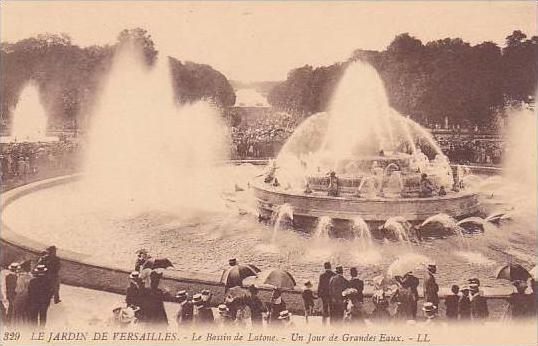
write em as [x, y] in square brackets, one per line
[362, 159]
[29, 118]
[154, 178]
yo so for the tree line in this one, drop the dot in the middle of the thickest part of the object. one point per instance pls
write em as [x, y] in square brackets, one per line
[467, 84]
[69, 76]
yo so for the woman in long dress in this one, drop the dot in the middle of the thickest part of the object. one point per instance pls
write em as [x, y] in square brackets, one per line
[21, 307]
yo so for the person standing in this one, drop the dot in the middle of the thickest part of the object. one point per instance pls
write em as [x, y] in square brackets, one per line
[337, 285]
[153, 302]
[308, 300]
[521, 304]
[185, 312]
[276, 306]
[431, 289]
[21, 307]
[133, 296]
[479, 304]
[52, 263]
[8, 289]
[464, 304]
[412, 283]
[356, 283]
[202, 312]
[452, 303]
[255, 305]
[323, 290]
[39, 295]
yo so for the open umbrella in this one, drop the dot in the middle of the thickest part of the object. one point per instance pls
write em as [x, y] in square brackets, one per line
[512, 272]
[276, 278]
[234, 275]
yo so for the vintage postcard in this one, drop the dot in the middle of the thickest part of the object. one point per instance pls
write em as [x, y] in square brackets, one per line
[268, 172]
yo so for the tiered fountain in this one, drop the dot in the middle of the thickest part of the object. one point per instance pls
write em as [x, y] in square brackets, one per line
[361, 159]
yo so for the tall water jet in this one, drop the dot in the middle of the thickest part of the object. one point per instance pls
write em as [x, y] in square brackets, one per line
[323, 228]
[283, 214]
[29, 122]
[145, 151]
[361, 232]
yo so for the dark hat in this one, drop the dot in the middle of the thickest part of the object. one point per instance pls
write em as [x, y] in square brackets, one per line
[232, 261]
[339, 270]
[353, 271]
[308, 284]
[327, 265]
[40, 269]
[51, 248]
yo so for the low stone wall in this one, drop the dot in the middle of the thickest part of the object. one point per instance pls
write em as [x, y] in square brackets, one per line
[78, 270]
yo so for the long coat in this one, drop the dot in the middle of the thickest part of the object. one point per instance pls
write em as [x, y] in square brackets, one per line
[431, 289]
[323, 285]
[357, 284]
[479, 307]
[21, 312]
[152, 307]
[337, 285]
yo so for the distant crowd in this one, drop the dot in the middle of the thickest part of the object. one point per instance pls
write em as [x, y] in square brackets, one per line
[24, 162]
[262, 138]
[485, 152]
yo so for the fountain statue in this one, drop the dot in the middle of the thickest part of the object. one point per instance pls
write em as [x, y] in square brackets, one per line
[361, 158]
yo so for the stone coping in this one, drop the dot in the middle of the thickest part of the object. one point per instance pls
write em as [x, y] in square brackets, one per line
[80, 270]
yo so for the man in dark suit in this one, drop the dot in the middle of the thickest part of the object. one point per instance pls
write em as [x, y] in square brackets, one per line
[52, 262]
[337, 285]
[323, 289]
[356, 283]
[39, 294]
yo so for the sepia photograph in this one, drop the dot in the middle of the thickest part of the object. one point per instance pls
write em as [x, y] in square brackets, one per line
[268, 172]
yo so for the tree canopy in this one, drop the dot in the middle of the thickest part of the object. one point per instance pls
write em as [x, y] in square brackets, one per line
[69, 76]
[442, 78]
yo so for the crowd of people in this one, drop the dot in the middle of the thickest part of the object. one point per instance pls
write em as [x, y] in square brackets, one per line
[485, 152]
[342, 300]
[27, 291]
[263, 137]
[27, 161]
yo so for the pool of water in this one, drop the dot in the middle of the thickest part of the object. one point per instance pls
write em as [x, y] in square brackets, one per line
[73, 218]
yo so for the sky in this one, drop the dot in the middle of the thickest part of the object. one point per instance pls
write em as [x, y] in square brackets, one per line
[263, 40]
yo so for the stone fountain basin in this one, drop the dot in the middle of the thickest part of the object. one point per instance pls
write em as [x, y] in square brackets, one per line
[308, 208]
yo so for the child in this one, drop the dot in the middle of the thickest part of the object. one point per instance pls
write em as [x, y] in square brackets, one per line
[308, 300]
[452, 303]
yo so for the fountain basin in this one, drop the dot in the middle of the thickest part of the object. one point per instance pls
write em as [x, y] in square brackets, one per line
[308, 208]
